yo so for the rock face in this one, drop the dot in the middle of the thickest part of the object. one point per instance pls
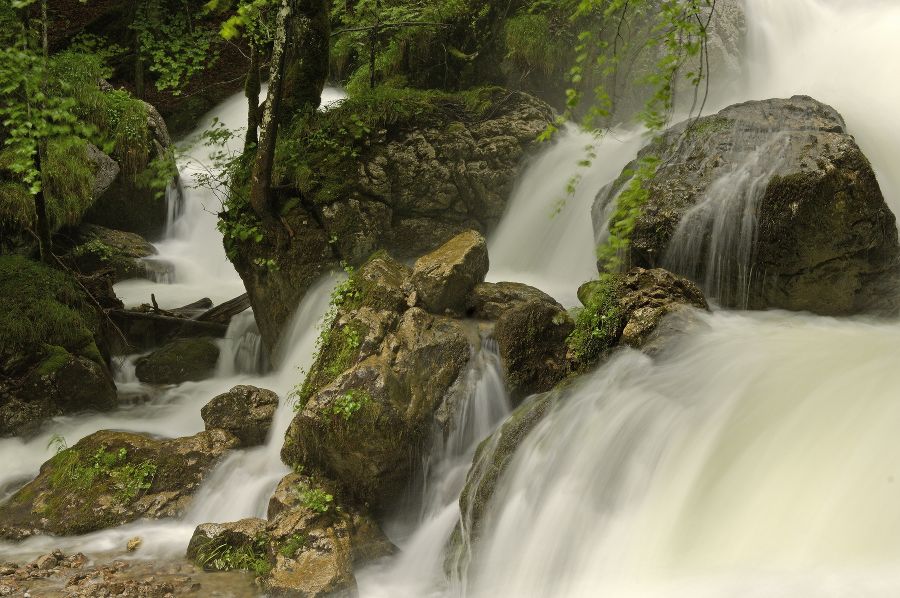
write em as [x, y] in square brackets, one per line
[408, 186]
[768, 204]
[308, 546]
[53, 359]
[444, 278]
[245, 411]
[110, 478]
[182, 360]
[367, 404]
[127, 203]
[99, 248]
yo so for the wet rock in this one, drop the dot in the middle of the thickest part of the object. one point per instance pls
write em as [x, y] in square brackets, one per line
[105, 170]
[134, 543]
[411, 186]
[488, 300]
[768, 204]
[633, 309]
[531, 337]
[182, 360]
[367, 404]
[309, 546]
[99, 248]
[444, 277]
[245, 411]
[110, 478]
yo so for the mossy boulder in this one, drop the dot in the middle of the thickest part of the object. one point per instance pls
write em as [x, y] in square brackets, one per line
[489, 300]
[309, 546]
[52, 352]
[245, 411]
[767, 204]
[110, 478]
[182, 360]
[99, 248]
[395, 169]
[367, 405]
[639, 309]
[531, 338]
[445, 277]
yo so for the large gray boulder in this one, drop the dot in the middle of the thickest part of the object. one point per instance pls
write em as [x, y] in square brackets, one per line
[445, 277]
[767, 204]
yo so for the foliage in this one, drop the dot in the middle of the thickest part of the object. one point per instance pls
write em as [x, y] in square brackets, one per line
[75, 473]
[315, 499]
[533, 43]
[598, 324]
[224, 557]
[292, 545]
[42, 306]
[96, 248]
[349, 403]
[175, 46]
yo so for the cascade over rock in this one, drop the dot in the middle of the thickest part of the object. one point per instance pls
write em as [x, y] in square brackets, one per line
[408, 185]
[110, 478]
[768, 204]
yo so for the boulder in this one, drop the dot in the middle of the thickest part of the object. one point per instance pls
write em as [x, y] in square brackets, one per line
[99, 248]
[630, 309]
[309, 546]
[767, 204]
[245, 411]
[488, 300]
[436, 167]
[105, 170]
[110, 478]
[367, 404]
[53, 356]
[531, 338]
[444, 277]
[182, 360]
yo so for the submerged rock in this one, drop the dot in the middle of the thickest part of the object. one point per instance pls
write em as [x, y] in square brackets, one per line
[444, 277]
[110, 478]
[245, 411]
[435, 167]
[182, 360]
[768, 204]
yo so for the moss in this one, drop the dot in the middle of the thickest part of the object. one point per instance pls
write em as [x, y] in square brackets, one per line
[55, 358]
[320, 154]
[129, 131]
[598, 325]
[40, 307]
[339, 349]
[532, 43]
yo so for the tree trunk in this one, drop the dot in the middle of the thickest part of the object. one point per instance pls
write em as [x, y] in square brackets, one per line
[307, 58]
[252, 89]
[45, 245]
[261, 178]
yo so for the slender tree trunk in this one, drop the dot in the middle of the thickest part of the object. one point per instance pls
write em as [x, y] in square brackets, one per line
[261, 178]
[252, 90]
[45, 243]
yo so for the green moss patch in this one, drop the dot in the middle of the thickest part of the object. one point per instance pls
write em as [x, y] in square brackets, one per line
[598, 325]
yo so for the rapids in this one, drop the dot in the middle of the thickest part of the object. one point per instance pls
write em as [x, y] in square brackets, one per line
[757, 457]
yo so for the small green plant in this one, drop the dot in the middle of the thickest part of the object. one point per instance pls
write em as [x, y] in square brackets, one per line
[292, 545]
[315, 499]
[58, 443]
[97, 248]
[224, 557]
[127, 479]
[349, 403]
[598, 323]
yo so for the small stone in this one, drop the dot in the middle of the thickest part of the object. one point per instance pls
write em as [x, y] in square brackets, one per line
[46, 562]
[134, 543]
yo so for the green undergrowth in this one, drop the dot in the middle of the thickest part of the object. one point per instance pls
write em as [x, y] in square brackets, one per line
[295, 543]
[319, 155]
[104, 470]
[598, 324]
[223, 557]
[43, 310]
